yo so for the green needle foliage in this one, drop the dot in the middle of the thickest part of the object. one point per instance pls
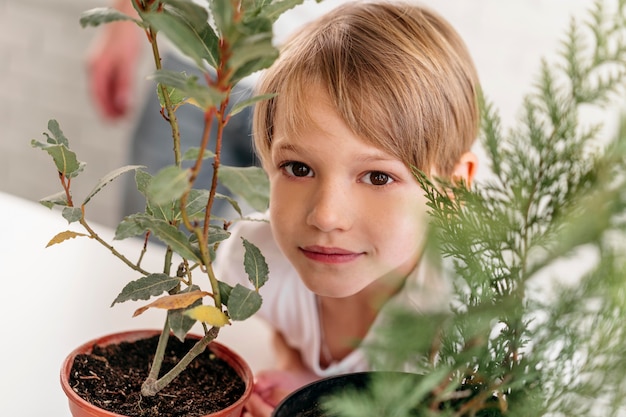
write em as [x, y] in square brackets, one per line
[526, 335]
[228, 40]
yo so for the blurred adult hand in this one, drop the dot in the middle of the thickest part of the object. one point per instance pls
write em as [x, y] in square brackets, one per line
[112, 63]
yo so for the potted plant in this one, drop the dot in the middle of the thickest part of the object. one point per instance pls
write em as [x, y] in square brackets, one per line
[236, 43]
[535, 252]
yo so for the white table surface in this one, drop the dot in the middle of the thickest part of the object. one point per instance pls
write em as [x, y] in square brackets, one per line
[53, 299]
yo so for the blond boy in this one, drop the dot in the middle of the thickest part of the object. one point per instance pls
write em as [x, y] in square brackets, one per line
[364, 95]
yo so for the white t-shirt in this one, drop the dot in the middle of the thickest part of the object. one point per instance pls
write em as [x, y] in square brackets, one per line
[291, 308]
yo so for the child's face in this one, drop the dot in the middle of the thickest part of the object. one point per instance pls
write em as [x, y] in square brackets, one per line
[345, 213]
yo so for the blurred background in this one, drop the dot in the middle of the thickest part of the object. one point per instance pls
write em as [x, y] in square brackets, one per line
[43, 76]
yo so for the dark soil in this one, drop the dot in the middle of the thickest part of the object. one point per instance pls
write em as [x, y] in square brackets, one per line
[111, 378]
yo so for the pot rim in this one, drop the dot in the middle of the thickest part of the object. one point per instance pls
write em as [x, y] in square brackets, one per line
[240, 366]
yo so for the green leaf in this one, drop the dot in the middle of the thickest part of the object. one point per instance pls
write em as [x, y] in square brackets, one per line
[255, 265]
[217, 234]
[57, 146]
[239, 106]
[234, 204]
[72, 214]
[175, 95]
[167, 185]
[223, 13]
[160, 211]
[250, 183]
[58, 136]
[252, 54]
[171, 236]
[142, 179]
[131, 226]
[187, 27]
[180, 323]
[243, 303]
[203, 95]
[225, 291]
[192, 153]
[101, 15]
[274, 10]
[57, 199]
[109, 178]
[196, 203]
[146, 287]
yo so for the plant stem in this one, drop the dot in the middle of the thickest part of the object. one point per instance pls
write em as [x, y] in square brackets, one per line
[151, 386]
[115, 252]
[157, 361]
[171, 114]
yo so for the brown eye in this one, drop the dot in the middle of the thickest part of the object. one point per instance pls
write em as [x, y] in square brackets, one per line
[297, 169]
[377, 178]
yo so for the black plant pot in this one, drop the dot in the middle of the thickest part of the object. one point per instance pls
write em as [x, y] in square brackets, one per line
[307, 401]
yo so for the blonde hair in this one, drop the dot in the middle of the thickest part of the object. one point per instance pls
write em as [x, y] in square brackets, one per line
[399, 76]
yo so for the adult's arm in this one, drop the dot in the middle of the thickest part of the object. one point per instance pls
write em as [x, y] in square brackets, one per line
[112, 61]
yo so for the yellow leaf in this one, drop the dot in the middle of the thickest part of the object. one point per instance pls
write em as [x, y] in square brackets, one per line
[63, 236]
[208, 314]
[173, 302]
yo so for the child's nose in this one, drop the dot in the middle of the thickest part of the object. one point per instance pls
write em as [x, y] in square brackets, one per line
[330, 208]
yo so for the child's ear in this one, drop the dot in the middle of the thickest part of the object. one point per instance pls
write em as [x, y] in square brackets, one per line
[465, 169]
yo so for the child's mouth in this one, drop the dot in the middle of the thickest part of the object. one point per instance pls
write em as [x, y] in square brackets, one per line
[329, 255]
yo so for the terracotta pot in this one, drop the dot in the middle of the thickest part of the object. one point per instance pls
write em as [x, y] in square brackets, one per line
[81, 408]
